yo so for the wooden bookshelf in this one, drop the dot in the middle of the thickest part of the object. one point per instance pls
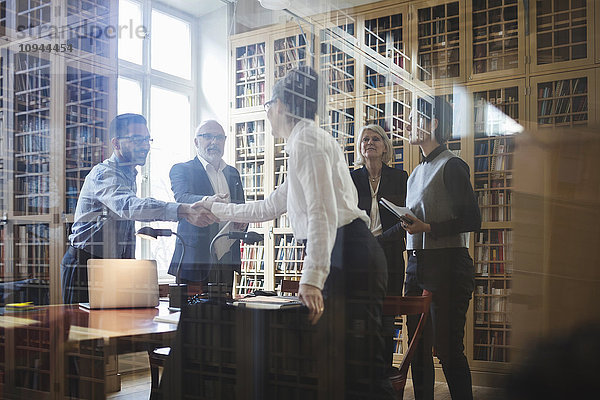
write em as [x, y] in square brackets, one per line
[497, 43]
[387, 36]
[562, 33]
[249, 76]
[381, 62]
[563, 100]
[31, 135]
[439, 40]
[56, 122]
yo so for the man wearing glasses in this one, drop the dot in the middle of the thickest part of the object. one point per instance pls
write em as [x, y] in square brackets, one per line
[206, 175]
[108, 207]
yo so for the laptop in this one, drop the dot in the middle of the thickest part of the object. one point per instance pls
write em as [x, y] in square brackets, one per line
[116, 283]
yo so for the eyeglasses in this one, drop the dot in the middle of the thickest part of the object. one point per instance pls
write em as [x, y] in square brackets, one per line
[138, 140]
[269, 104]
[210, 137]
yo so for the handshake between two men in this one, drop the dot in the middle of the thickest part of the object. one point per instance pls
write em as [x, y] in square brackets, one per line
[199, 213]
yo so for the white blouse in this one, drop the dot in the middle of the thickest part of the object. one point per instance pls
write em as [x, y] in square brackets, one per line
[318, 195]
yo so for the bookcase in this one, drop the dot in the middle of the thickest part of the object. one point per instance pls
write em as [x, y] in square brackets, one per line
[504, 65]
[54, 129]
[496, 48]
[439, 28]
[562, 34]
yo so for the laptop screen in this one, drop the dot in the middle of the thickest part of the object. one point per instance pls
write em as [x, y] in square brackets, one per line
[116, 283]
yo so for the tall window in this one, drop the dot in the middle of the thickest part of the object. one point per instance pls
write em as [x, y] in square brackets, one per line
[156, 80]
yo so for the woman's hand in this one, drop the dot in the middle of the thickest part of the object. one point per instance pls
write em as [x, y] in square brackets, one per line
[312, 298]
[417, 226]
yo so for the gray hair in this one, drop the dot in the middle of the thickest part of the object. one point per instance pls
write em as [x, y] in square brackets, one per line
[388, 152]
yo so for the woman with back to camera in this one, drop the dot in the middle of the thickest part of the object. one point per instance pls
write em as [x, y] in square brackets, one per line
[376, 180]
[342, 256]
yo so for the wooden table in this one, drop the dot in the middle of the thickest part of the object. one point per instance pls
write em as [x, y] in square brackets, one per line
[53, 351]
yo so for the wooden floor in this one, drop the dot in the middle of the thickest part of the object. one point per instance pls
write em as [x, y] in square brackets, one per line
[136, 386]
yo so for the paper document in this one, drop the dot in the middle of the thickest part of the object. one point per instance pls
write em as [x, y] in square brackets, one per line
[223, 244]
[172, 318]
[398, 211]
[268, 302]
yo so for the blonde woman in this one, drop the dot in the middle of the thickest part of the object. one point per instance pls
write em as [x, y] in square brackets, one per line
[374, 180]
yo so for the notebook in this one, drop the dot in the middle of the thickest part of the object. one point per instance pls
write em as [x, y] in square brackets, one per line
[115, 283]
[269, 302]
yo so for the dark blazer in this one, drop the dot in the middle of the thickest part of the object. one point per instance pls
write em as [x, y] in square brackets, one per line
[190, 183]
[393, 188]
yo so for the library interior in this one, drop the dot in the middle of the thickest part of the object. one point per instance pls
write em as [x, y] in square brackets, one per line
[224, 312]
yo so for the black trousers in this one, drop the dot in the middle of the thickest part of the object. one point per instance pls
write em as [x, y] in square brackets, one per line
[449, 275]
[74, 277]
[394, 254]
[359, 274]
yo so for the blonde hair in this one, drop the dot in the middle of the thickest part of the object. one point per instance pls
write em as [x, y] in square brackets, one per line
[387, 154]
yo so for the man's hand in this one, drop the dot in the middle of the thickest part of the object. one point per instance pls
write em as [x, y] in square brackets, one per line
[417, 226]
[312, 298]
[208, 201]
[198, 216]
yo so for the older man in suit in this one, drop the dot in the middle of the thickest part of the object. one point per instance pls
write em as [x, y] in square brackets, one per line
[205, 175]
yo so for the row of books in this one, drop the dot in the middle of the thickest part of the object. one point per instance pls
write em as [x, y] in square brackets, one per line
[249, 284]
[562, 106]
[287, 52]
[492, 155]
[33, 205]
[249, 143]
[32, 184]
[492, 346]
[289, 255]
[492, 202]
[496, 211]
[493, 252]
[250, 62]
[93, 114]
[562, 88]
[32, 163]
[252, 258]
[492, 305]
[82, 134]
[33, 243]
[339, 75]
[250, 94]
[85, 157]
[252, 174]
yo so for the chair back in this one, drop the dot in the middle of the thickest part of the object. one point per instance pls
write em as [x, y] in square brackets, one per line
[288, 286]
[407, 305]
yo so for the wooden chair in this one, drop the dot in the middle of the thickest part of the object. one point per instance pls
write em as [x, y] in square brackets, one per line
[393, 306]
[291, 287]
[157, 358]
[407, 305]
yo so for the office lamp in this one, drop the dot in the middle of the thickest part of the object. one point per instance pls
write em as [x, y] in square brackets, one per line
[177, 291]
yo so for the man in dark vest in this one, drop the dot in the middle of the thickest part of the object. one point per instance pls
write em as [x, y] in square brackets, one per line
[206, 175]
[440, 195]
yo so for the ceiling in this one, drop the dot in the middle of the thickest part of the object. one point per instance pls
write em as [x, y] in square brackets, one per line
[198, 8]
